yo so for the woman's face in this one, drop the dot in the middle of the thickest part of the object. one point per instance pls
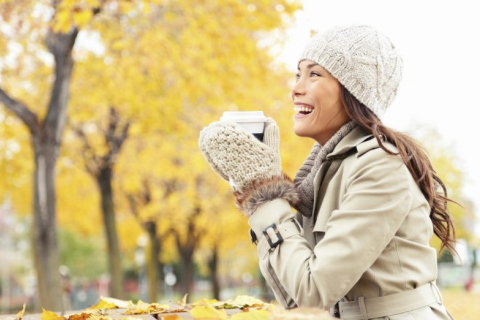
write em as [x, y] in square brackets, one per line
[319, 111]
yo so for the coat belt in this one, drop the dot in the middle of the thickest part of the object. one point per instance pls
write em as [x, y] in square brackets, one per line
[368, 308]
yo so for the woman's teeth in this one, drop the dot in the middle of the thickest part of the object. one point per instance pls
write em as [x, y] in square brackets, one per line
[302, 109]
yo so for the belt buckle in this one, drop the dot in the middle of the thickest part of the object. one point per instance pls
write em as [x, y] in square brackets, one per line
[277, 234]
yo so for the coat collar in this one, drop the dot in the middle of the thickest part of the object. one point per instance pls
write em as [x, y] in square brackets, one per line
[350, 141]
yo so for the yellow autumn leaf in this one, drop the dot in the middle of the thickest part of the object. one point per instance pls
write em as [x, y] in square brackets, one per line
[246, 301]
[111, 303]
[50, 315]
[206, 301]
[104, 305]
[207, 312]
[147, 308]
[170, 317]
[100, 317]
[251, 315]
[20, 314]
[81, 18]
[62, 22]
[183, 303]
[242, 301]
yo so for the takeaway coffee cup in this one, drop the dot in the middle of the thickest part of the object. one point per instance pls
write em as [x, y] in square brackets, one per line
[252, 121]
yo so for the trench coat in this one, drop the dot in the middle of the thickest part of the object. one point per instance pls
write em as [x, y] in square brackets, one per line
[368, 235]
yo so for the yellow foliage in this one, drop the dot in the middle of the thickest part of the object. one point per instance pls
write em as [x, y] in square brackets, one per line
[82, 17]
[50, 315]
[207, 312]
[251, 315]
[111, 303]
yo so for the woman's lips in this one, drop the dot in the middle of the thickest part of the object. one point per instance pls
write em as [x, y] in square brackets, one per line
[302, 110]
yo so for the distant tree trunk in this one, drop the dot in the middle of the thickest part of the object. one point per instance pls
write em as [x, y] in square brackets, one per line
[45, 244]
[154, 267]
[187, 271]
[100, 167]
[104, 180]
[213, 268]
[186, 249]
[46, 136]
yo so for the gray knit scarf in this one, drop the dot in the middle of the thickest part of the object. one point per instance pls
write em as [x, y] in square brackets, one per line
[306, 174]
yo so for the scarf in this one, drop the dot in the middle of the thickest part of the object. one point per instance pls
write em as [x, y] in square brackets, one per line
[306, 174]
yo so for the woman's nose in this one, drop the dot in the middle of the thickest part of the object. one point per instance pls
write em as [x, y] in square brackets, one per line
[298, 88]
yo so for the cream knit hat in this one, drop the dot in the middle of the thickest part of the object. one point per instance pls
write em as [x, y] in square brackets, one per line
[361, 59]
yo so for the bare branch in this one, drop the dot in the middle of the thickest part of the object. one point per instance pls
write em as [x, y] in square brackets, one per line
[123, 135]
[133, 208]
[21, 111]
[113, 138]
[99, 8]
[92, 162]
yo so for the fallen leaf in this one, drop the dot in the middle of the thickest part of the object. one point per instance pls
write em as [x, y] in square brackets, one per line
[104, 305]
[50, 315]
[100, 317]
[111, 303]
[170, 317]
[20, 314]
[207, 312]
[206, 301]
[252, 315]
[240, 302]
[81, 316]
[183, 303]
[147, 308]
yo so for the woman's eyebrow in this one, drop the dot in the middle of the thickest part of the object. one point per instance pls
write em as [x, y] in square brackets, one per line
[309, 66]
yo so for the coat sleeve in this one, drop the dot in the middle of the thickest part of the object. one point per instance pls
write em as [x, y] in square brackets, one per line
[376, 201]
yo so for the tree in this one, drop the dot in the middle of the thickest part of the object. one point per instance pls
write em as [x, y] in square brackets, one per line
[46, 137]
[45, 124]
[100, 167]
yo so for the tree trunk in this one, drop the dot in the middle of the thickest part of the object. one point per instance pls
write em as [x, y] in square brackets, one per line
[187, 272]
[104, 180]
[45, 244]
[186, 251]
[153, 265]
[213, 266]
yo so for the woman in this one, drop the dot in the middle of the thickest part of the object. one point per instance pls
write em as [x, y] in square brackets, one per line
[367, 198]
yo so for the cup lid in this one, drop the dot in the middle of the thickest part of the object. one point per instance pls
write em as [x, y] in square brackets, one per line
[243, 116]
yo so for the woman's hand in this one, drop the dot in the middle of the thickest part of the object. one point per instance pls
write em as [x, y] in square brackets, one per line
[252, 167]
[237, 156]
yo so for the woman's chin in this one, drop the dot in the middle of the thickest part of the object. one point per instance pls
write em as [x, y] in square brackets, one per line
[299, 131]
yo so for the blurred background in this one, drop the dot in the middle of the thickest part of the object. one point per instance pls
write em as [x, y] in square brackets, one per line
[103, 190]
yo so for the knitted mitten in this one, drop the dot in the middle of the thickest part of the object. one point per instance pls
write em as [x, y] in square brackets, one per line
[253, 167]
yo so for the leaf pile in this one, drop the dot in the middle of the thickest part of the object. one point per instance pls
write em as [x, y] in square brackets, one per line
[204, 309]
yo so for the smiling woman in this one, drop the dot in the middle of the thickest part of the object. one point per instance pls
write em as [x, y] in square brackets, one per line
[319, 111]
[367, 199]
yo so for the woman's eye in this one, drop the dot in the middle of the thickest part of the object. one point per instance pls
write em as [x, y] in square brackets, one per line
[315, 74]
[297, 76]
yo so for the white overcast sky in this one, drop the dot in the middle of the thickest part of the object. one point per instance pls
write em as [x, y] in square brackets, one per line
[440, 45]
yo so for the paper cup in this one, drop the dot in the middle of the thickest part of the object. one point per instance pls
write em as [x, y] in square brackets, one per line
[252, 121]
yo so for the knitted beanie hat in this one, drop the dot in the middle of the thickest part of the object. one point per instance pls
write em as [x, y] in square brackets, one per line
[361, 59]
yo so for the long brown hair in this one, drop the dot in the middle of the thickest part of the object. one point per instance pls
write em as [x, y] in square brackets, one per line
[416, 159]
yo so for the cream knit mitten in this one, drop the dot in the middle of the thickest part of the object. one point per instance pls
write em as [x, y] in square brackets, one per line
[253, 167]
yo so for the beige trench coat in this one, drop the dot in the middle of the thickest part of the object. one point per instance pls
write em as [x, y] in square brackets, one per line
[368, 237]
